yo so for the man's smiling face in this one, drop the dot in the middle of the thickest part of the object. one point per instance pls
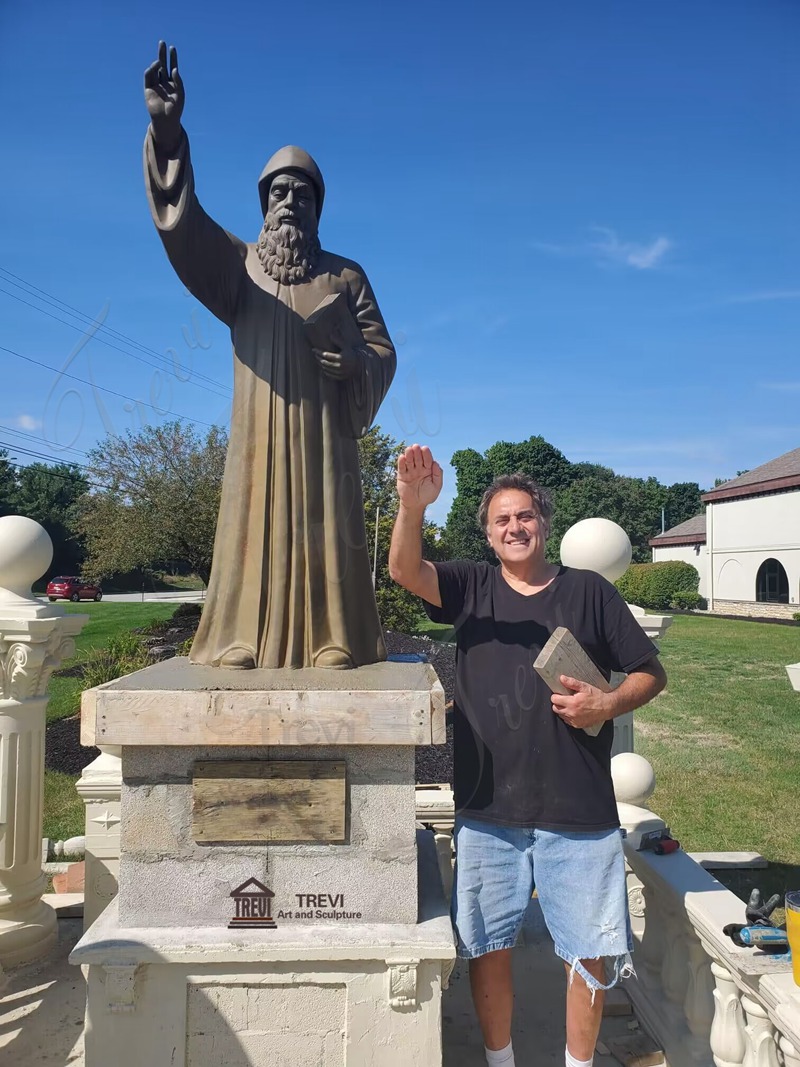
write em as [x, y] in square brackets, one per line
[515, 531]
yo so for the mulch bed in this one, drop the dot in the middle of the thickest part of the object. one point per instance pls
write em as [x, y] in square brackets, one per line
[434, 763]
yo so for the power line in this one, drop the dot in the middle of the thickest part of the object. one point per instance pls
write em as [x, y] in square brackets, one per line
[36, 437]
[102, 388]
[164, 365]
[54, 301]
[51, 473]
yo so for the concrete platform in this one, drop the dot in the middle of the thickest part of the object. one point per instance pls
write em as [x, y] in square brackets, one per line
[41, 1010]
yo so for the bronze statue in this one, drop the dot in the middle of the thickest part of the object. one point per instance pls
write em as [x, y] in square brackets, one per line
[290, 582]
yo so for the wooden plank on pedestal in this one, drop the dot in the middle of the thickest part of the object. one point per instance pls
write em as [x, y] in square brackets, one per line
[276, 801]
[333, 717]
[438, 714]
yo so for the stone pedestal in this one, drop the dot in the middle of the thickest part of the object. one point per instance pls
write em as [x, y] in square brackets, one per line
[276, 903]
[100, 787]
[35, 638]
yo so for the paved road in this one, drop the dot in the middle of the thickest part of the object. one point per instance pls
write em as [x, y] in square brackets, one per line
[184, 597]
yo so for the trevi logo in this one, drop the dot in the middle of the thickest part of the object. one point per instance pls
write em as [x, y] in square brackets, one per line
[253, 907]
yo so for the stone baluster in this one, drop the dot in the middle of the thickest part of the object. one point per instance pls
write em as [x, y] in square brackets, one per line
[100, 786]
[761, 1046]
[443, 836]
[791, 1054]
[35, 638]
[675, 964]
[728, 1039]
[698, 1004]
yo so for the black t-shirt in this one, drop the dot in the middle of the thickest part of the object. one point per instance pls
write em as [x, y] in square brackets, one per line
[515, 761]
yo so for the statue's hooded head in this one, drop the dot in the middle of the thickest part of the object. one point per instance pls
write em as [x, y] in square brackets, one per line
[288, 245]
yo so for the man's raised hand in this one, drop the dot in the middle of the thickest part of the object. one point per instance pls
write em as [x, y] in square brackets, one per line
[164, 96]
[419, 477]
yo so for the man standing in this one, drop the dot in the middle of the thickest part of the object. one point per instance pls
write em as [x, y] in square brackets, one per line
[533, 792]
[291, 581]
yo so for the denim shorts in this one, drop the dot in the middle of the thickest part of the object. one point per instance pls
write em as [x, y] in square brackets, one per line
[580, 881]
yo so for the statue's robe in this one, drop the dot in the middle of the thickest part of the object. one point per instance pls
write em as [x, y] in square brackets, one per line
[291, 573]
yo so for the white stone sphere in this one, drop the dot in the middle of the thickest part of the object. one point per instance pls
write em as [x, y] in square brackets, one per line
[26, 552]
[634, 778]
[597, 545]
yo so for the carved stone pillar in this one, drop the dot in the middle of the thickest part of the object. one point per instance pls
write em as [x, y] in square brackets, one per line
[698, 1004]
[762, 1046]
[100, 786]
[35, 638]
[728, 1040]
[791, 1054]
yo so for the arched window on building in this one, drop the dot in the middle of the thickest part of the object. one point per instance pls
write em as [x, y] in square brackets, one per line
[772, 584]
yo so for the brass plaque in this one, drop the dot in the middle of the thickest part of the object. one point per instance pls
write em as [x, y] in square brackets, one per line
[269, 801]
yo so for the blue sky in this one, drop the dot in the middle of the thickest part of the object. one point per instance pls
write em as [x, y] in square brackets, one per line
[580, 219]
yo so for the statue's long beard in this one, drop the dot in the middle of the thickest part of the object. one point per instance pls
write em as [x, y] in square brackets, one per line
[287, 254]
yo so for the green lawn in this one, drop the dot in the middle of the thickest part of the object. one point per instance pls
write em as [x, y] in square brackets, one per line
[437, 631]
[723, 737]
[106, 620]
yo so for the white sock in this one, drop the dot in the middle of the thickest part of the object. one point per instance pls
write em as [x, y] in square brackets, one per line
[502, 1057]
[570, 1061]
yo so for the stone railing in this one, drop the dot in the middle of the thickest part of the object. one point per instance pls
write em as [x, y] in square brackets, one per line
[702, 998]
[705, 1001]
[35, 638]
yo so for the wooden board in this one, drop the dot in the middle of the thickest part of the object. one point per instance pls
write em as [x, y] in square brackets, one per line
[438, 714]
[337, 717]
[636, 1050]
[275, 801]
[564, 654]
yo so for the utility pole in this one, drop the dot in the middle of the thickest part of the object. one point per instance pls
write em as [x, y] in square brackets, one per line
[375, 552]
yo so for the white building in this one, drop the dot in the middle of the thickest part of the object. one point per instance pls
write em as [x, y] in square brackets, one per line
[747, 544]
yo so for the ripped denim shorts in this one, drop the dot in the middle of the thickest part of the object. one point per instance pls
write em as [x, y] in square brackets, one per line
[580, 881]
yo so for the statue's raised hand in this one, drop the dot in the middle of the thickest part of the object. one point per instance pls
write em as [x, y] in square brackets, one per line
[165, 97]
[419, 477]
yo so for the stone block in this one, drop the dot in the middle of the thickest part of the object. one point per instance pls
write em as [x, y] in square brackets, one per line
[276, 1008]
[212, 1009]
[168, 879]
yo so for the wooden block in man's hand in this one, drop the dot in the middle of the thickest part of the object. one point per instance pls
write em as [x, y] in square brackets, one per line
[564, 654]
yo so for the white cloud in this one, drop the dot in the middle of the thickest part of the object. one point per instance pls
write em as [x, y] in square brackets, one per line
[608, 247]
[22, 422]
[629, 253]
[781, 387]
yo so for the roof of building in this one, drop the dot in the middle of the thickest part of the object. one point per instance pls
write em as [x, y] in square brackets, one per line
[690, 532]
[779, 474]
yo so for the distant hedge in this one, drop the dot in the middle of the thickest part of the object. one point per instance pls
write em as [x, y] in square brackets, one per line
[655, 585]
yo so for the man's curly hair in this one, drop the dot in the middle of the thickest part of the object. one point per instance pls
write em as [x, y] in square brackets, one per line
[540, 497]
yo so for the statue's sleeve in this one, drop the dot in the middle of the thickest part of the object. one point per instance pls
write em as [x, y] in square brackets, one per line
[207, 259]
[364, 392]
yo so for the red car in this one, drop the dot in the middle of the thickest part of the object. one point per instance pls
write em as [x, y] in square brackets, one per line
[74, 589]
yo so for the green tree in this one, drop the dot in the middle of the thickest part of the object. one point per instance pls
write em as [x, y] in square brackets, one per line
[462, 538]
[399, 610]
[160, 503]
[633, 503]
[8, 484]
[49, 494]
[535, 457]
[682, 501]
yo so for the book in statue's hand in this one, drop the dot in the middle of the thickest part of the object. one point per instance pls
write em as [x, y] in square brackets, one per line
[331, 327]
[564, 654]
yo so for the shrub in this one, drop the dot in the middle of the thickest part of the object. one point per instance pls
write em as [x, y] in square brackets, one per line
[189, 610]
[796, 616]
[654, 585]
[687, 599]
[124, 654]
